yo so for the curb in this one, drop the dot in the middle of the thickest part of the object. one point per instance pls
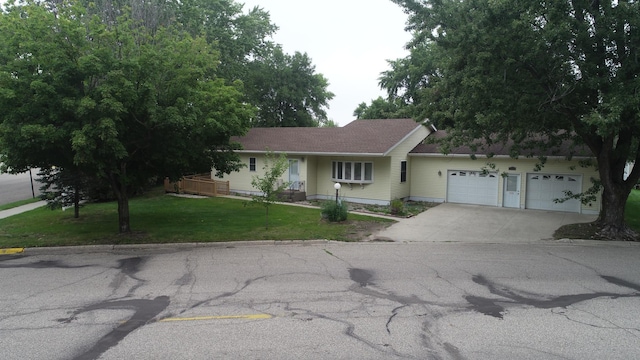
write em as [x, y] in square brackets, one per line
[166, 246]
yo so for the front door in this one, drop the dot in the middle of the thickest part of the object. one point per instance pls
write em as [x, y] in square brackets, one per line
[511, 196]
[294, 175]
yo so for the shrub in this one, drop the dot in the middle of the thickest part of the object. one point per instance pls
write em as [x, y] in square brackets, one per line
[334, 212]
[396, 207]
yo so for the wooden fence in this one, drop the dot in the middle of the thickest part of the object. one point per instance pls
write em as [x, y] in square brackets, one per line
[201, 184]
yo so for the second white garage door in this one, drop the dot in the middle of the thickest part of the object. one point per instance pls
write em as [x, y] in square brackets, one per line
[543, 189]
[472, 187]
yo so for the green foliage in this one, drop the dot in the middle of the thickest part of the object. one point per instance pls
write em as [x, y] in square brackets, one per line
[240, 37]
[329, 124]
[267, 185]
[396, 207]
[284, 88]
[382, 109]
[537, 75]
[112, 98]
[287, 91]
[62, 188]
[632, 210]
[335, 211]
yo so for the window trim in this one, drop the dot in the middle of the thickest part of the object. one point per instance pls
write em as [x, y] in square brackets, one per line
[339, 171]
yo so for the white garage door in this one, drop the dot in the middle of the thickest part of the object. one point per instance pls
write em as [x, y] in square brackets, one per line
[543, 189]
[472, 187]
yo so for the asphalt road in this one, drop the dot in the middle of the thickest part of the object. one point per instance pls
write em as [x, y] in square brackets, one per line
[325, 301]
[17, 187]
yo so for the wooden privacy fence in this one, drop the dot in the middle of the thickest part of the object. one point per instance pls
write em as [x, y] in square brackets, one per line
[201, 184]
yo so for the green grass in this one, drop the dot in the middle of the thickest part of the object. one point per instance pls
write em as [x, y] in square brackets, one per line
[18, 203]
[632, 210]
[158, 218]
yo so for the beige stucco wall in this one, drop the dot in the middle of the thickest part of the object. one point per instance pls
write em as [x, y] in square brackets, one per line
[397, 189]
[428, 185]
[240, 181]
[311, 170]
[376, 192]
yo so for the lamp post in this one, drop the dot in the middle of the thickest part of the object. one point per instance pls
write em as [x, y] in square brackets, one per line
[337, 186]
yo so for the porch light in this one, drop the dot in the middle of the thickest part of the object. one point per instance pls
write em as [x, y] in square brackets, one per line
[337, 186]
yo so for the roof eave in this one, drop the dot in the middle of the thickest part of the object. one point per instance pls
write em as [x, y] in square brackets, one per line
[493, 157]
[307, 153]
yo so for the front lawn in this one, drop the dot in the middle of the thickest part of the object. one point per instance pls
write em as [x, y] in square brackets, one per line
[168, 219]
[632, 210]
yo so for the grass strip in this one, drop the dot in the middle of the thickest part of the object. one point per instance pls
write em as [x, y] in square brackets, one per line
[18, 203]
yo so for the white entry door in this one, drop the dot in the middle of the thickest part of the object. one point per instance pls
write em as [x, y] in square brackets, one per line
[511, 192]
[294, 174]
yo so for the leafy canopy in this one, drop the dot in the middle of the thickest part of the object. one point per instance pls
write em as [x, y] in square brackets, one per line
[113, 99]
[537, 73]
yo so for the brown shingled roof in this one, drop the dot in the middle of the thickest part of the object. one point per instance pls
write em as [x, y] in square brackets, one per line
[564, 150]
[357, 137]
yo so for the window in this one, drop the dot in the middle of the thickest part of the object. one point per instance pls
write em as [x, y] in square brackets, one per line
[352, 172]
[403, 171]
[252, 164]
[357, 171]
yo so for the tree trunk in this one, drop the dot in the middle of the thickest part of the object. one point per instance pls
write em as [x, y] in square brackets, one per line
[123, 213]
[611, 220]
[119, 187]
[611, 223]
[76, 199]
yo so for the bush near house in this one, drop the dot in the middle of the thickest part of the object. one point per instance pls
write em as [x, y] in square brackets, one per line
[335, 211]
[396, 207]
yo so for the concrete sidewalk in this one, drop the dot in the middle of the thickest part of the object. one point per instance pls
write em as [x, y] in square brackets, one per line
[21, 209]
[479, 224]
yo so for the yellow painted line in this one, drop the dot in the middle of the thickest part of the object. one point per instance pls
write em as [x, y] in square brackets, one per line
[220, 317]
[11, 251]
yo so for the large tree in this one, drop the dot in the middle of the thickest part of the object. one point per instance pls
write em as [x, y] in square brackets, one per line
[381, 108]
[287, 90]
[557, 71]
[112, 98]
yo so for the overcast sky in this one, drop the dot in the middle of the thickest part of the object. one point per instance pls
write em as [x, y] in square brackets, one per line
[348, 41]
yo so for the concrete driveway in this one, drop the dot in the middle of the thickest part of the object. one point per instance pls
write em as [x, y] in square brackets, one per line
[479, 224]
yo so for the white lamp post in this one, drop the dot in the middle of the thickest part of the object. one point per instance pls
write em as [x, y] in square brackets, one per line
[337, 186]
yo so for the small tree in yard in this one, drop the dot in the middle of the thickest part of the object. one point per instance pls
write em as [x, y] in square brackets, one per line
[267, 184]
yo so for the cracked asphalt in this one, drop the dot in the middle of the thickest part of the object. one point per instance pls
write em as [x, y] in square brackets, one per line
[325, 301]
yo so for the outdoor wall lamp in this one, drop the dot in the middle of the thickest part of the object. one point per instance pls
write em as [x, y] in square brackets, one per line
[439, 173]
[337, 186]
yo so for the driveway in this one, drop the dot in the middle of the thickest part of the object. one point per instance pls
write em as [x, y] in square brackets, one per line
[479, 224]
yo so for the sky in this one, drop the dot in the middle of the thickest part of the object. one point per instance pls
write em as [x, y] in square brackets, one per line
[348, 41]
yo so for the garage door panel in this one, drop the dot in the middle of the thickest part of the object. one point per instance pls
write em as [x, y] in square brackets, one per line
[472, 187]
[544, 189]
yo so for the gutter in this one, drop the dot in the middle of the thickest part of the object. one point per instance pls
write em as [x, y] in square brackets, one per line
[495, 156]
